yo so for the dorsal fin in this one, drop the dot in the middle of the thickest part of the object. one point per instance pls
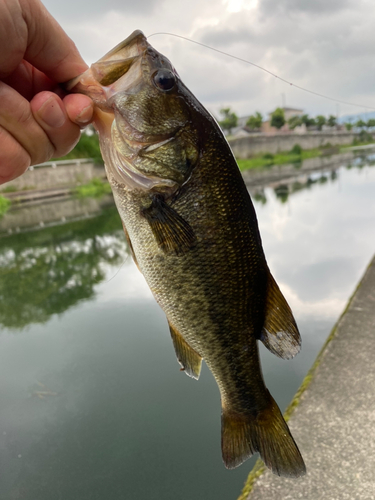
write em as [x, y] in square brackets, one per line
[280, 333]
[188, 358]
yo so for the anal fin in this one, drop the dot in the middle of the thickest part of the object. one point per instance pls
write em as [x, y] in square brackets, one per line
[280, 333]
[188, 358]
[172, 232]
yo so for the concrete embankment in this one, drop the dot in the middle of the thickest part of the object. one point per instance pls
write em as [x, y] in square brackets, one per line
[43, 195]
[54, 175]
[246, 147]
[30, 216]
[333, 415]
[256, 178]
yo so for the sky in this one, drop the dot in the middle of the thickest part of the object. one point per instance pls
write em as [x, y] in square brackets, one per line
[326, 46]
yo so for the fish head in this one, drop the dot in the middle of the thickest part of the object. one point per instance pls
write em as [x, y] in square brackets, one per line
[143, 116]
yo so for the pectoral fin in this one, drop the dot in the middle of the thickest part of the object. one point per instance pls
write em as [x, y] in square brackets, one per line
[189, 359]
[280, 333]
[172, 233]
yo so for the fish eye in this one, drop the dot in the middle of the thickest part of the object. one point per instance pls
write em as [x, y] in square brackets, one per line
[164, 79]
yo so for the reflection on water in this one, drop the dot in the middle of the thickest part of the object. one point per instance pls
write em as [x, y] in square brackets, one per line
[46, 272]
[32, 215]
[92, 403]
[284, 188]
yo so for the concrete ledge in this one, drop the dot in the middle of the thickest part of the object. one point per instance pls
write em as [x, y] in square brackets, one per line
[333, 414]
[246, 147]
[55, 175]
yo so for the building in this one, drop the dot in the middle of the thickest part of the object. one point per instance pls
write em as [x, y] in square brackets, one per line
[288, 113]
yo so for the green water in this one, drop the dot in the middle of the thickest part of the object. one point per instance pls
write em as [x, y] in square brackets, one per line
[92, 403]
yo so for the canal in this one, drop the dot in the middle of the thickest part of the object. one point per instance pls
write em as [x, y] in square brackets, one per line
[92, 403]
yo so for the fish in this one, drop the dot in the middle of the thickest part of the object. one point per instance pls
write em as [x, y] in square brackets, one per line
[193, 233]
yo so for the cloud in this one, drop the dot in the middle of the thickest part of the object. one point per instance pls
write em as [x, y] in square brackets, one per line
[84, 10]
[317, 7]
[326, 47]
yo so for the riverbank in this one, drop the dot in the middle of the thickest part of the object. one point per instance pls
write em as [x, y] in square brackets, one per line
[332, 416]
[290, 172]
[52, 175]
[31, 208]
[254, 144]
[295, 156]
[36, 214]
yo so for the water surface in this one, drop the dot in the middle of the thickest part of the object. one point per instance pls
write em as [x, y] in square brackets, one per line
[92, 403]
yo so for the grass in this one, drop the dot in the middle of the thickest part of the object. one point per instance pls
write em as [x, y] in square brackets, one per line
[87, 147]
[9, 189]
[13, 189]
[267, 160]
[4, 205]
[94, 189]
[357, 143]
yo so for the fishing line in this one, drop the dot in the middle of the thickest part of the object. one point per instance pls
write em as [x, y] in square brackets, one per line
[116, 273]
[265, 70]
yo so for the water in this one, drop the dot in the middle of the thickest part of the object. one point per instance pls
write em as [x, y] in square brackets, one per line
[92, 403]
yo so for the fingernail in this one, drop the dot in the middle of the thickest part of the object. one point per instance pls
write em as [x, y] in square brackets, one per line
[85, 115]
[52, 114]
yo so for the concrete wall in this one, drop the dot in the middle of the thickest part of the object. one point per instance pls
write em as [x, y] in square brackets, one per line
[52, 211]
[246, 147]
[256, 178]
[59, 174]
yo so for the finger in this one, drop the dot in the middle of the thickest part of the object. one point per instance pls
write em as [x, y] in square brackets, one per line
[14, 159]
[28, 81]
[49, 48]
[79, 108]
[17, 119]
[50, 114]
[13, 36]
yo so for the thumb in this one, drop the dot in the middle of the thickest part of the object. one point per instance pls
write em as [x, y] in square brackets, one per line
[48, 46]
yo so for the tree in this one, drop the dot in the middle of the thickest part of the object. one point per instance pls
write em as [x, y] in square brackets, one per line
[294, 121]
[278, 118]
[370, 123]
[332, 121]
[255, 121]
[360, 124]
[348, 126]
[320, 121]
[229, 120]
[87, 147]
[309, 122]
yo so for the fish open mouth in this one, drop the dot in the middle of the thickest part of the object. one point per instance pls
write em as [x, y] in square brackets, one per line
[119, 70]
[103, 77]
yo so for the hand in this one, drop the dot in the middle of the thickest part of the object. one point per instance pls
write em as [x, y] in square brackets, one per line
[36, 121]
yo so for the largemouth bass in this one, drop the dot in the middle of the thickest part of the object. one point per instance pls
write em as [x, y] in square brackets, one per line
[193, 233]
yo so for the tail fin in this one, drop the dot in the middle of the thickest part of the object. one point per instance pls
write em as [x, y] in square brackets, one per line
[243, 434]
